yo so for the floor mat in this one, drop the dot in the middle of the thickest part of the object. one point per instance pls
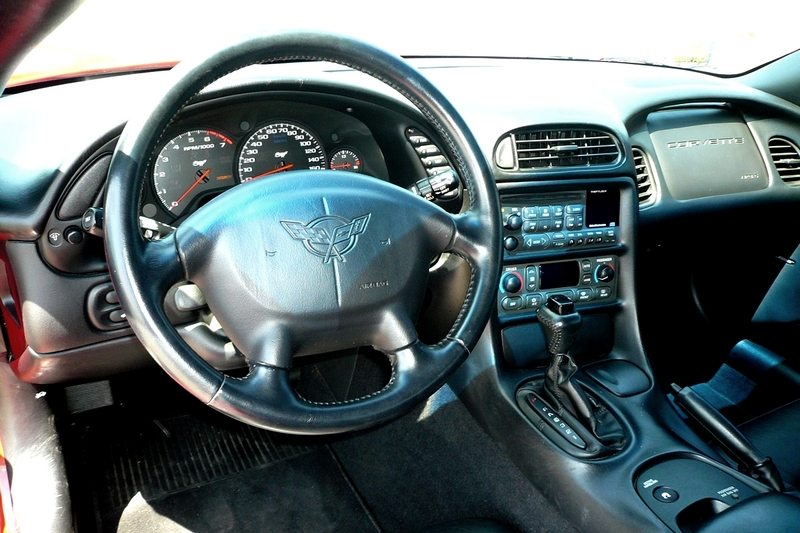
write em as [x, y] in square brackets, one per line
[225, 473]
[307, 493]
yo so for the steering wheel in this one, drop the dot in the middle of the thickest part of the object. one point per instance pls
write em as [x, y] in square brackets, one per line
[308, 262]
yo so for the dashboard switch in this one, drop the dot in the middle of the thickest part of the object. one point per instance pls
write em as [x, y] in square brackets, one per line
[513, 222]
[604, 273]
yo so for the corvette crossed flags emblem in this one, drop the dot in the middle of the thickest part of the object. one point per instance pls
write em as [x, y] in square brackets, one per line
[328, 236]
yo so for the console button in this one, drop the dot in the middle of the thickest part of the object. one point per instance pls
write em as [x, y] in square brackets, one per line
[537, 242]
[558, 224]
[530, 226]
[611, 235]
[533, 301]
[510, 243]
[545, 212]
[434, 161]
[112, 297]
[117, 316]
[575, 209]
[530, 278]
[427, 149]
[587, 279]
[666, 494]
[585, 295]
[558, 210]
[545, 224]
[603, 292]
[570, 222]
[512, 303]
[530, 213]
[586, 265]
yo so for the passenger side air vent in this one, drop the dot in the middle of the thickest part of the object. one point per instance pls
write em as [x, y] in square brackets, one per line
[644, 178]
[559, 148]
[786, 157]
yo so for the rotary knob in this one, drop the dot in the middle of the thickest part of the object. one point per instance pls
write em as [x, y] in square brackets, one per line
[512, 283]
[513, 222]
[604, 273]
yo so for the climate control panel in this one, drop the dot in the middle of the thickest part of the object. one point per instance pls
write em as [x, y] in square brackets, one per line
[586, 280]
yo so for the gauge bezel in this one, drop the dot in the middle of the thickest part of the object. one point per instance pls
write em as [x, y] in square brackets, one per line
[346, 148]
[189, 208]
[245, 138]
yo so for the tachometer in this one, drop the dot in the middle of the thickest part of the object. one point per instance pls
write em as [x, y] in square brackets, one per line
[279, 147]
[190, 165]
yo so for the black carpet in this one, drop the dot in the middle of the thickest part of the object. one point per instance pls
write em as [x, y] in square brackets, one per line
[204, 472]
[307, 493]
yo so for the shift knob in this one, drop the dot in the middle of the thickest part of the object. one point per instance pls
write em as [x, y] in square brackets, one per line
[560, 322]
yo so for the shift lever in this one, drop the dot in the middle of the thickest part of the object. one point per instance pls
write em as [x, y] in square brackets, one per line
[561, 324]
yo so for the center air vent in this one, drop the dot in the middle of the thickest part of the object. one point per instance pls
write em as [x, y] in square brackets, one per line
[558, 148]
[786, 157]
[644, 178]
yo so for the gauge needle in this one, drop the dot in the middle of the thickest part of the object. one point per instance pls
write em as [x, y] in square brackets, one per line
[341, 165]
[281, 168]
[203, 175]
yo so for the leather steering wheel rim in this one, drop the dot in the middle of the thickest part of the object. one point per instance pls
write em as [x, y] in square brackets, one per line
[142, 270]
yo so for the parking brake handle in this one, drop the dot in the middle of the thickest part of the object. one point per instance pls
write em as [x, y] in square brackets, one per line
[729, 437]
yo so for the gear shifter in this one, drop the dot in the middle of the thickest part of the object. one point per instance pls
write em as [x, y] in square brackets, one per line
[561, 324]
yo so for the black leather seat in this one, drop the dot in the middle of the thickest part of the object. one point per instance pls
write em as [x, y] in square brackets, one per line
[776, 435]
[472, 525]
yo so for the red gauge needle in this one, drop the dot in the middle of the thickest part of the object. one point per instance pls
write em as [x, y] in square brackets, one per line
[203, 175]
[341, 165]
[281, 168]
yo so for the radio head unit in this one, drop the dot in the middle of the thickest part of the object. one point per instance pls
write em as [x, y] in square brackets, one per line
[536, 222]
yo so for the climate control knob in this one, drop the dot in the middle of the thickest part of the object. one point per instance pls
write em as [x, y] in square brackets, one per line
[512, 283]
[513, 222]
[604, 273]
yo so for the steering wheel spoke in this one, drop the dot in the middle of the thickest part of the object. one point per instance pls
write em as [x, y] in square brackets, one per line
[161, 260]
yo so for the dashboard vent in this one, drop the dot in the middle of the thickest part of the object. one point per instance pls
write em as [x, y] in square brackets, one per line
[786, 157]
[565, 148]
[644, 178]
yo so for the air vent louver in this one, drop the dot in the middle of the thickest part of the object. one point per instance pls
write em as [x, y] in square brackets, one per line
[786, 157]
[565, 148]
[644, 178]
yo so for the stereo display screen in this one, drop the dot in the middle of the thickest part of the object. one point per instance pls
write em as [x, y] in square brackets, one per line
[602, 208]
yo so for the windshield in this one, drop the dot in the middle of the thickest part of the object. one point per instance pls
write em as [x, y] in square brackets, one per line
[710, 36]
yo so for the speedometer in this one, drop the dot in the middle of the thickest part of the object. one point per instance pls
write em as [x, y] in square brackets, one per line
[279, 147]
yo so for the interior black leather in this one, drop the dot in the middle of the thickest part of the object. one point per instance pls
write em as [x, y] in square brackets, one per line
[768, 513]
[774, 434]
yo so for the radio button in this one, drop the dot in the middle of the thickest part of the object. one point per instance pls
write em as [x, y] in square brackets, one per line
[545, 212]
[537, 242]
[559, 244]
[574, 209]
[530, 213]
[558, 224]
[513, 303]
[533, 301]
[586, 265]
[545, 224]
[529, 226]
[558, 210]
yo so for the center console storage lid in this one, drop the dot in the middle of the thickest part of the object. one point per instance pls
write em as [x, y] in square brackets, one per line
[767, 512]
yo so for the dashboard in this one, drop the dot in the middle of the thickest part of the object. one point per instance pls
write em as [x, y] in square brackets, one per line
[642, 169]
